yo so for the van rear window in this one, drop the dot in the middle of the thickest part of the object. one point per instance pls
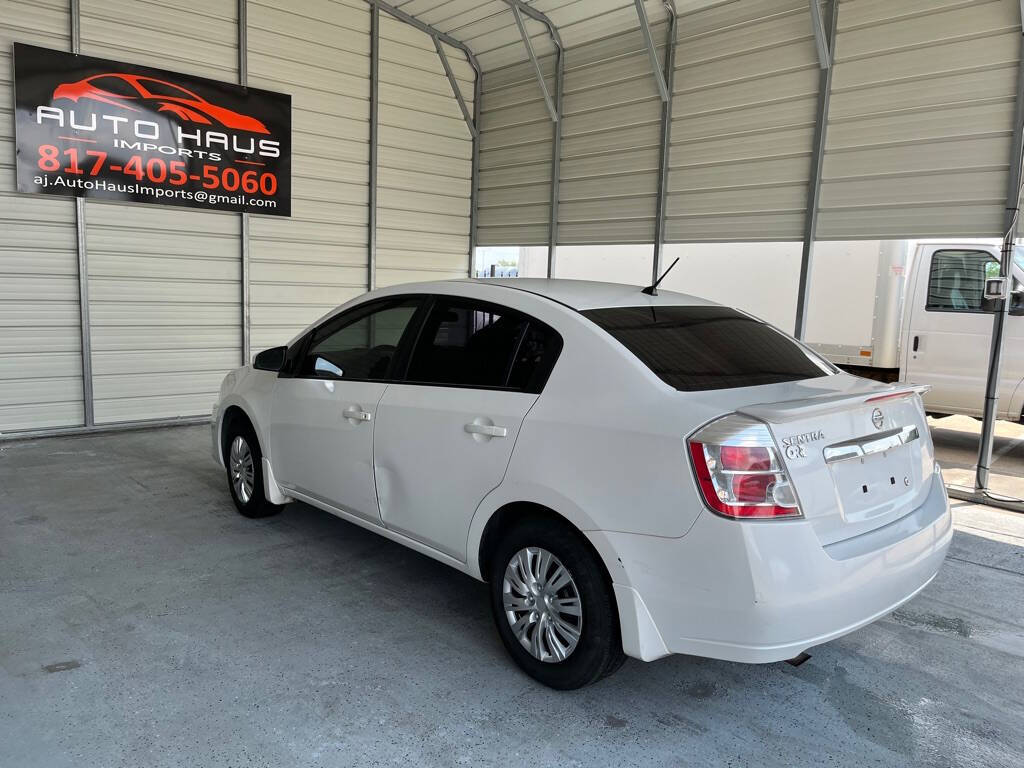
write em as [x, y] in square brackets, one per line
[708, 347]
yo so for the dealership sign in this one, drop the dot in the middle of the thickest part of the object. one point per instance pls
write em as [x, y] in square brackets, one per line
[97, 128]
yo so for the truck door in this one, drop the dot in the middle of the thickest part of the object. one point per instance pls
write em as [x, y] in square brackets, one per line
[949, 336]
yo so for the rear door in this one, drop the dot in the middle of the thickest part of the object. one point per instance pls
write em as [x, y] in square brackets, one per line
[322, 414]
[444, 437]
[950, 331]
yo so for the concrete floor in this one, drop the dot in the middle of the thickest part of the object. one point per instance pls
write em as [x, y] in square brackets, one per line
[144, 623]
[956, 446]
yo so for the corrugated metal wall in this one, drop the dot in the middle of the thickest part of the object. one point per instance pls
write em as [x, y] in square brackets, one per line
[610, 139]
[921, 119]
[516, 135]
[918, 145]
[163, 282]
[40, 337]
[746, 89]
[303, 266]
[425, 153]
[611, 133]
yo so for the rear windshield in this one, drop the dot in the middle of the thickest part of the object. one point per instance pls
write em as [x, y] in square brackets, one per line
[695, 348]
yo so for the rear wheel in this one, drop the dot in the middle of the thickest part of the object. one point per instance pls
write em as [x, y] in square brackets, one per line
[244, 462]
[553, 606]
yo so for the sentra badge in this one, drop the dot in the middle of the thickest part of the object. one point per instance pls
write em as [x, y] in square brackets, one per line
[796, 445]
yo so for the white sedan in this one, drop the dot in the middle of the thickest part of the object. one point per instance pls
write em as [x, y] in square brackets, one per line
[633, 475]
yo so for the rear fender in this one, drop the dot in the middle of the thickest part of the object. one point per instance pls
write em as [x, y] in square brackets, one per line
[511, 493]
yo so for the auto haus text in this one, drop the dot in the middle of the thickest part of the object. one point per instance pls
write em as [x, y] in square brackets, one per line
[148, 136]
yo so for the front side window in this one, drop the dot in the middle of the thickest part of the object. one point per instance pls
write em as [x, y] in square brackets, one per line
[956, 282]
[708, 347]
[359, 345]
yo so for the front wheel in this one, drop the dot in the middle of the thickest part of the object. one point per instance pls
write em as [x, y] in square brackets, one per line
[553, 606]
[244, 462]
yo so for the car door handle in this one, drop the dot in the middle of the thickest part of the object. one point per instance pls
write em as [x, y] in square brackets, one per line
[490, 430]
[917, 342]
[356, 414]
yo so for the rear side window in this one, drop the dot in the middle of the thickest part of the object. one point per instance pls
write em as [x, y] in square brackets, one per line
[699, 348]
[474, 344]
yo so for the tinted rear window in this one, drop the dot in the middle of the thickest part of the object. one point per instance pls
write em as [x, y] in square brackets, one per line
[695, 348]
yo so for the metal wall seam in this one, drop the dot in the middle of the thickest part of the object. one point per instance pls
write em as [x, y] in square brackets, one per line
[83, 258]
[243, 80]
[474, 183]
[556, 156]
[518, 7]
[666, 136]
[814, 185]
[371, 251]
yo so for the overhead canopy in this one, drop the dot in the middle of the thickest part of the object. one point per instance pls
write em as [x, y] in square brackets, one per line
[919, 125]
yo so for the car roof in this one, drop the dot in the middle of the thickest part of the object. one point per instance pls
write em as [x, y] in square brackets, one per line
[590, 294]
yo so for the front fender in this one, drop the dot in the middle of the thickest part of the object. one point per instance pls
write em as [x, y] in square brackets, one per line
[252, 392]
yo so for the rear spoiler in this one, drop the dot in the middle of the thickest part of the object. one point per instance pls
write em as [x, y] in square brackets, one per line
[792, 410]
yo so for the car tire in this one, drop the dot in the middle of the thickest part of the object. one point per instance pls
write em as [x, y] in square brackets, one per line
[243, 461]
[541, 635]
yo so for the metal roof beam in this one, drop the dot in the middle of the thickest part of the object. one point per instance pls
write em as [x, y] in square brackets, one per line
[528, 10]
[536, 64]
[665, 143]
[472, 121]
[433, 32]
[820, 38]
[455, 89]
[814, 185]
[652, 51]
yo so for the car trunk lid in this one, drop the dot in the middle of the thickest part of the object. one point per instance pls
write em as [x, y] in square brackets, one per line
[858, 459]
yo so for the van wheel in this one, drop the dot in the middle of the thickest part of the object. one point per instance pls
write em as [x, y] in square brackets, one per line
[553, 606]
[244, 462]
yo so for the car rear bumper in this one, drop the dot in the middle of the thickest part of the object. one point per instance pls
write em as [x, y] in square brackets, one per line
[761, 592]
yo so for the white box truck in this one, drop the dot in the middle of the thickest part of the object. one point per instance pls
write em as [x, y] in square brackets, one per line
[917, 313]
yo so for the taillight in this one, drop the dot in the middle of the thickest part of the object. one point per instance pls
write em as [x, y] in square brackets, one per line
[739, 471]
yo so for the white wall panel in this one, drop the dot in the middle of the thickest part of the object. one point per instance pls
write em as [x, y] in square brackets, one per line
[921, 118]
[40, 336]
[424, 156]
[303, 266]
[745, 96]
[164, 282]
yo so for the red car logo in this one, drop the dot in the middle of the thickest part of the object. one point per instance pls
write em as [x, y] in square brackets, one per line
[127, 91]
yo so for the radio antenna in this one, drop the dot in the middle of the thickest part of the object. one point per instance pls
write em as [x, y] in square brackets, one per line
[652, 290]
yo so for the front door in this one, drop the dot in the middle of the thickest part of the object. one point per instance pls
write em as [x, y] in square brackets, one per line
[322, 417]
[444, 437]
[950, 331]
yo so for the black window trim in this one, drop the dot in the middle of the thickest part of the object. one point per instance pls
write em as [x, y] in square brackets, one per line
[411, 339]
[928, 284]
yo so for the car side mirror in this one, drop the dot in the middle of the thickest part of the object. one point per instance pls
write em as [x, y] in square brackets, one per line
[270, 359]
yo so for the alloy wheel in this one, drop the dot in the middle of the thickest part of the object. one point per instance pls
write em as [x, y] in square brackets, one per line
[243, 472]
[542, 604]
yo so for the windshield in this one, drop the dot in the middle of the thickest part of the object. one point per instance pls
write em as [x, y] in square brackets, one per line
[709, 347]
